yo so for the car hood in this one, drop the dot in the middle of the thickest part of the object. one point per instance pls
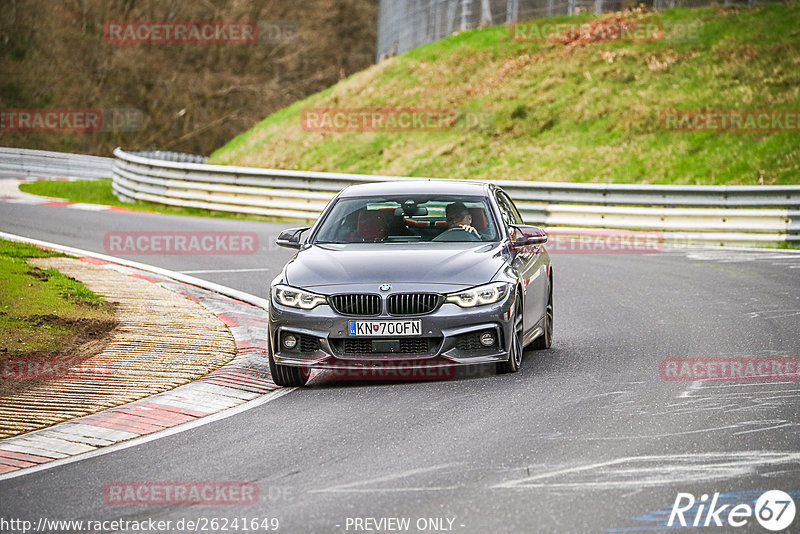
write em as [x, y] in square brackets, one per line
[454, 264]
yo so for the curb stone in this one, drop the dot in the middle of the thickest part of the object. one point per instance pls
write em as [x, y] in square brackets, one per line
[243, 379]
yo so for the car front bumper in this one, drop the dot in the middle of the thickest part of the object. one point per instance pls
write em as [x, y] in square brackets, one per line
[451, 333]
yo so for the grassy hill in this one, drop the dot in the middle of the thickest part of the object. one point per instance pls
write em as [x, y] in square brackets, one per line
[559, 110]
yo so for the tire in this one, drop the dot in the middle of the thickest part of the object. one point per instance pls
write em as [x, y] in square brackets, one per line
[515, 352]
[286, 375]
[545, 341]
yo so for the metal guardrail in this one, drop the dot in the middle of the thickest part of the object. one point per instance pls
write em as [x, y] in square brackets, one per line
[24, 163]
[169, 155]
[707, 214]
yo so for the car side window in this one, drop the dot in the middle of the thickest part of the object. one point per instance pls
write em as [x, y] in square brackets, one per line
[508, 212]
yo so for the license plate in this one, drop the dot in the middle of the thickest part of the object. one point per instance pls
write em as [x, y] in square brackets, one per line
[385, 328]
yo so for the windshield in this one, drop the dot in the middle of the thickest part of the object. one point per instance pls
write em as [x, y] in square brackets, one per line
[408, 219]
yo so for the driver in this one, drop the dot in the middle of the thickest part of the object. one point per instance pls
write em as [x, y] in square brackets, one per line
[458, 216]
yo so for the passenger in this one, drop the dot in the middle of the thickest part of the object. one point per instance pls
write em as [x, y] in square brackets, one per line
[371, 226]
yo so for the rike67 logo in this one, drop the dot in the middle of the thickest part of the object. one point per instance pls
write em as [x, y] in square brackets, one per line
[774, 510]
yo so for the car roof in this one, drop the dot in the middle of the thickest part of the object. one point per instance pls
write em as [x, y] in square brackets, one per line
[416, 187]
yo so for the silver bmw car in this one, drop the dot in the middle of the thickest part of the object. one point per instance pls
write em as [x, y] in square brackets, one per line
[421, 276]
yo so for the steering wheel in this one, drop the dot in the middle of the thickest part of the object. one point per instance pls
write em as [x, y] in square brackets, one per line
[456, 234]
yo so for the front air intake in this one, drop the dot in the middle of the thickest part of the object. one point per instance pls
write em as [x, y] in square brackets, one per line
[356, 304]
[413, 303]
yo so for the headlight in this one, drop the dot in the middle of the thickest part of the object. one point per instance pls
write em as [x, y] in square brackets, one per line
[296, 298]
[479, 296]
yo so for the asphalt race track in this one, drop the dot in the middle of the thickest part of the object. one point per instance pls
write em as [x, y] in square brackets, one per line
[587, 437]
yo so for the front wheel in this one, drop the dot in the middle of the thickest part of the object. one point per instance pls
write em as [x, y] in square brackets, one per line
[545, 341]
[286, 375]
[515, 350]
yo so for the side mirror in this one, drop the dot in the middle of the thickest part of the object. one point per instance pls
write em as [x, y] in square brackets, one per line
[527, 235]
[291, 238]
